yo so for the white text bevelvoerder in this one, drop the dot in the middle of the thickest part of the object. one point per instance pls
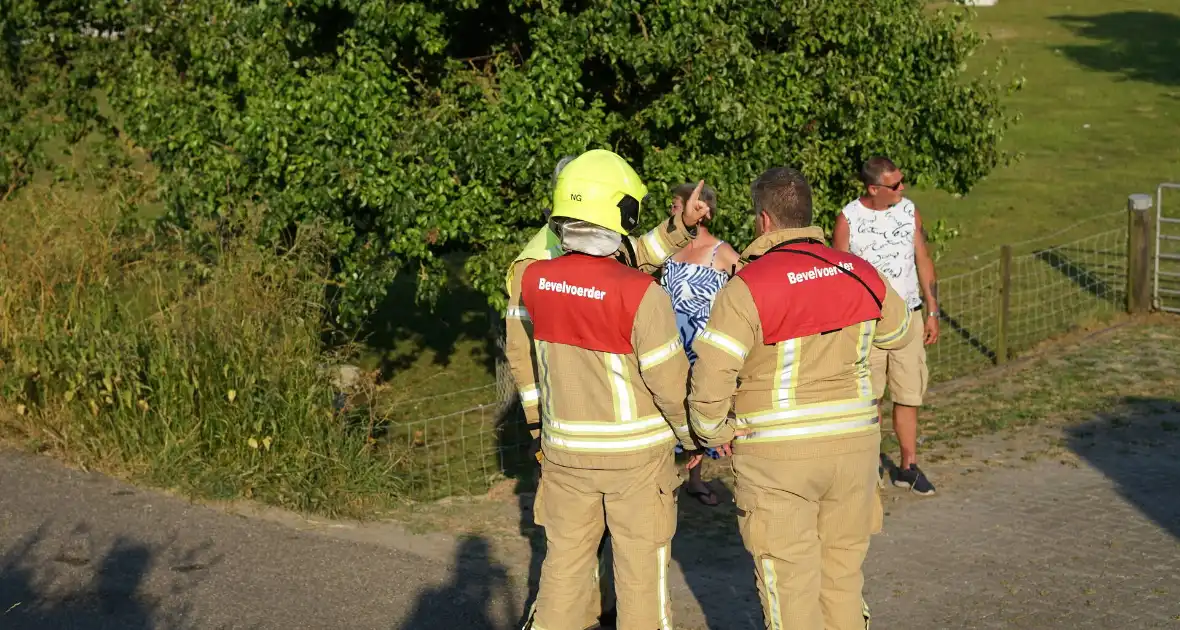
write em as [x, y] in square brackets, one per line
[562, 287]
[816, 272]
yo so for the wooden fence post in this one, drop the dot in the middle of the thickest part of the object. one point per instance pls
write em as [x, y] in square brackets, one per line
[1005, 303]
[1139, 253]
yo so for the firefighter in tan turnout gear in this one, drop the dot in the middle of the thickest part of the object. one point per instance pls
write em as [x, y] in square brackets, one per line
[647, 253]
[790, 334]
[611, 380]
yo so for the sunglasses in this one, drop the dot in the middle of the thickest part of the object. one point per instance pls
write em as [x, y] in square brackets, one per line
[893, 187]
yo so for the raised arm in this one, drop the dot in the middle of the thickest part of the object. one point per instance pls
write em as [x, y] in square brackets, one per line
[653, 249]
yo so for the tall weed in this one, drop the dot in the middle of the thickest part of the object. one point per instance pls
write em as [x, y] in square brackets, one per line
[123, 351]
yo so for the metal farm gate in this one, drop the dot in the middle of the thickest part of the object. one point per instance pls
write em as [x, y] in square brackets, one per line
[1166, 284]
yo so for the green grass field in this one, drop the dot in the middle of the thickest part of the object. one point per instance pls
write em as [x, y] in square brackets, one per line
[1101, 119]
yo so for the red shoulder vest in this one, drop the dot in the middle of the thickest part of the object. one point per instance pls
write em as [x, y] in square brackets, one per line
[584, 301]
[798, 295]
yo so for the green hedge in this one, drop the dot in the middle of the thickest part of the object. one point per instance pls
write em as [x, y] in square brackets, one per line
[412, 129]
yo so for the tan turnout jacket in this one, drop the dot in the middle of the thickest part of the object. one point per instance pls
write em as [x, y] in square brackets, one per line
[804, 389]
[657, 371]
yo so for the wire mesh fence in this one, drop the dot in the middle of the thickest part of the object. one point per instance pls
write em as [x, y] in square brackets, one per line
[969, 323]
[1060, 288]
[1053, 284]
[462, 452]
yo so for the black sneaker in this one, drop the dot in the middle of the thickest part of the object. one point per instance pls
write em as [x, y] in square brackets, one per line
[914, 479]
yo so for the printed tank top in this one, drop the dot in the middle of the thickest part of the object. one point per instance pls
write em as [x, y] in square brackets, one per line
[693, 288]
[885, 238]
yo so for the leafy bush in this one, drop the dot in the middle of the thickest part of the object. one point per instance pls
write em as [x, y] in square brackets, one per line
[412, 129]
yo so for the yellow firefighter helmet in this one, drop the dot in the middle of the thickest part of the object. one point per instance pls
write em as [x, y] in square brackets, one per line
[600, 187]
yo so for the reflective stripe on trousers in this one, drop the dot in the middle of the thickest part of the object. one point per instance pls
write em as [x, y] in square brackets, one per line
[575, 506]
[807, 523]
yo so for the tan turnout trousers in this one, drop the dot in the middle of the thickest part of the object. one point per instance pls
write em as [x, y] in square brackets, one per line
[806, 514]
[575, 506]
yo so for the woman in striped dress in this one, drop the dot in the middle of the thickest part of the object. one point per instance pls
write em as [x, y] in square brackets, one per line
[692, 277]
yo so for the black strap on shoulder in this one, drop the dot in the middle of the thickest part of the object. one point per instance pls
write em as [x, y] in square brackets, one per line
[629, 257]
[783, 247]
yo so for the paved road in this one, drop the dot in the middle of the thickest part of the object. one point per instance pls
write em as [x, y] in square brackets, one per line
[82, 551]
[1093, 542]
[1089, 540]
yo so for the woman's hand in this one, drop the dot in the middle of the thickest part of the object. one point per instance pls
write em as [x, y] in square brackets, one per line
[694, 209]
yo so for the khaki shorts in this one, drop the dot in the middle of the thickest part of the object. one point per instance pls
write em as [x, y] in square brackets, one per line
[904, 369]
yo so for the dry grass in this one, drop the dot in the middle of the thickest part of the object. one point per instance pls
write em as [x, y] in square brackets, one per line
[126, 351]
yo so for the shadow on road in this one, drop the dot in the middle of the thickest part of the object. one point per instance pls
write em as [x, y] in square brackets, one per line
[57, 580]
[477, 585]
[1137, 445]
[718, 570]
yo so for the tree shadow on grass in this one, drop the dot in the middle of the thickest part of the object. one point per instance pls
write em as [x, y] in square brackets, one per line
[969, 337]
[401, 329]
[50, 580]
[1087, 276]
[1137, 446]
[1139, 45]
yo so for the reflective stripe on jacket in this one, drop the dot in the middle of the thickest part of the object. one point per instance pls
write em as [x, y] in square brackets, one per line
[611, 374]
[651, 251]
[787, 346]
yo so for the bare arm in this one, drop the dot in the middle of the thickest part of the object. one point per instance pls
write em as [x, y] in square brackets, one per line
[926, 275]
[840, 235]
[927, 278]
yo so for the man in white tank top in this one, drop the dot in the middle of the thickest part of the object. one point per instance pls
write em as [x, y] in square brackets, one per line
[884, 228]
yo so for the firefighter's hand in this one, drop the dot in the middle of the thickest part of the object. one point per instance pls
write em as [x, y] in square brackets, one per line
[694, 461]
[726, 450]
[931, 330]
[694, 209]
